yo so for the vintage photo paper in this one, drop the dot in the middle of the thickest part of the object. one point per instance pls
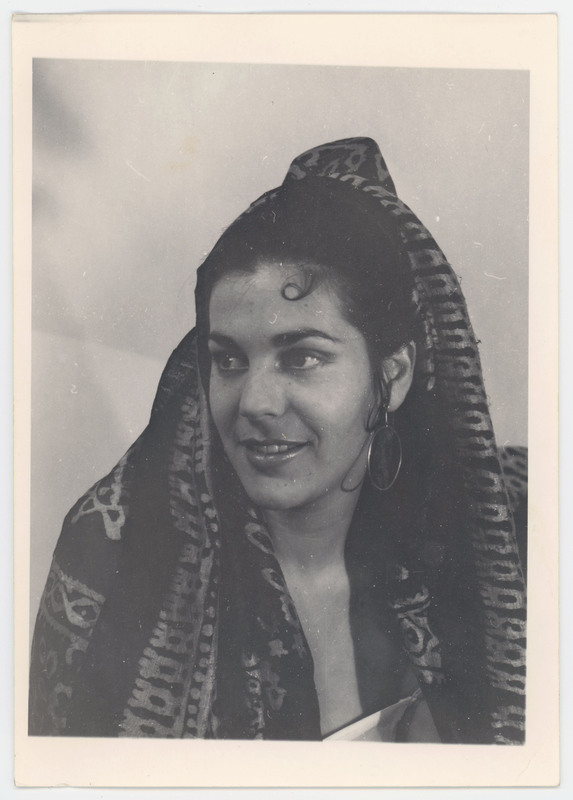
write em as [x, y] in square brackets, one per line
[138, 140]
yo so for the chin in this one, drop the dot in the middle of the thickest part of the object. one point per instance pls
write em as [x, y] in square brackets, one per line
[277, 498]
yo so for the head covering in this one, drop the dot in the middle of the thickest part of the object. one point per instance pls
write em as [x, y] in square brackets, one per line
[166, 612]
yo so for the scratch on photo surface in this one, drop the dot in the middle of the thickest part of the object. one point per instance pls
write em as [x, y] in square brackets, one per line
[137, 172]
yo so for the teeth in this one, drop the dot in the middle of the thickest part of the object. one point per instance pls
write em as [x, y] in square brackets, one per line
[270, 449]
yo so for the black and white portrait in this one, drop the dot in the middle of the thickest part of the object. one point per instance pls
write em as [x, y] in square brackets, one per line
[314, 536]
[279, 402]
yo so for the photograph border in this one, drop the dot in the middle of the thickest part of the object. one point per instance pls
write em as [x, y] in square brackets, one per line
[498, 42]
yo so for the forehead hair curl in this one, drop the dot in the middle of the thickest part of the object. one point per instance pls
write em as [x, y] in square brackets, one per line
[332, 234]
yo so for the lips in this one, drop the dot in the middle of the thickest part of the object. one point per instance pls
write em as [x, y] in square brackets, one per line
[271, 451]
[268, 448]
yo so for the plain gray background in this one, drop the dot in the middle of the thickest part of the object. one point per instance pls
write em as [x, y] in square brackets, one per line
[139, 166]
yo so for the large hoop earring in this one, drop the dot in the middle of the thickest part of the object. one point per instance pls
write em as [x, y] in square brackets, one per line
[384, 456]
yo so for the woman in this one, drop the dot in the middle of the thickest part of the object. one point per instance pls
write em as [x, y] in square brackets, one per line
[312, 537]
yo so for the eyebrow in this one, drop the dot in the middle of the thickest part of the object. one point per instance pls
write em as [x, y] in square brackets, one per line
[222, 340]
[292, 337]
[280, 340]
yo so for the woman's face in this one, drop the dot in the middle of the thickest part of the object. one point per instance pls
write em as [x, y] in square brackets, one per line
[291, 388]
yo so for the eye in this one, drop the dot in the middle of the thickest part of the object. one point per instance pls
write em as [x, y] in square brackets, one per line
[229, 362]
[301, 359]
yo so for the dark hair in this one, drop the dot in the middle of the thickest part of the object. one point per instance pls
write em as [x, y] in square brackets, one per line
[334, 234]
[340, 236]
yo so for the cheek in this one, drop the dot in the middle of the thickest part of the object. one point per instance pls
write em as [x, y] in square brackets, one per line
[223, 399]
[355, 400]
[341, 415]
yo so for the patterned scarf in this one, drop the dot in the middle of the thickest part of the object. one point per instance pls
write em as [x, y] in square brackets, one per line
[166, 613]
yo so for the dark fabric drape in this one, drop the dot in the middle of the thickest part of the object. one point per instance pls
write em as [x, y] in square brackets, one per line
[166, 613]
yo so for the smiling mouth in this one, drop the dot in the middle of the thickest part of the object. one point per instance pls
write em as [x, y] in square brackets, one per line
[272, 451]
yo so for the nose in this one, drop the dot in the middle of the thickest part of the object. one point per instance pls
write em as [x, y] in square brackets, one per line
[263, 394]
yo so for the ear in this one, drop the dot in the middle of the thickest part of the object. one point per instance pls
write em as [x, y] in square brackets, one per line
[398, 370]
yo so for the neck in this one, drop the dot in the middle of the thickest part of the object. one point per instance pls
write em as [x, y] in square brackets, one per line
[312, 538]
